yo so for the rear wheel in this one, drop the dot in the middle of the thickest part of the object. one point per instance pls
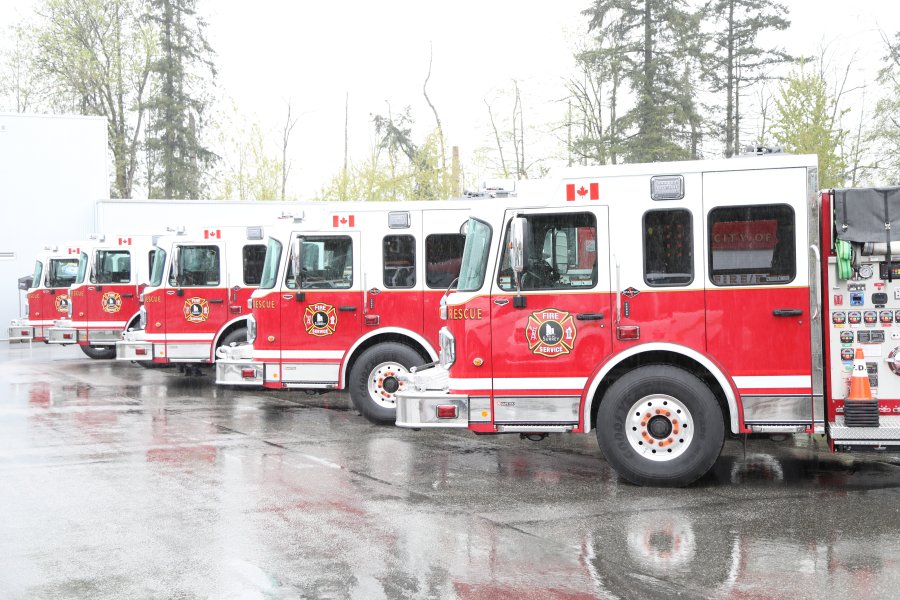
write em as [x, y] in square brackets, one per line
[374, 381]
[238, 336]
[99, 352]
[660, 425]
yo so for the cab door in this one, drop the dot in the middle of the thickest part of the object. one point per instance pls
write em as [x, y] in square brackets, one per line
[548, 342]
[196, 300]
[757, 296]
[322, 307]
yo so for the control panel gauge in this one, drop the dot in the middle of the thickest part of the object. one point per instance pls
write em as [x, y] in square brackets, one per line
[865, 271]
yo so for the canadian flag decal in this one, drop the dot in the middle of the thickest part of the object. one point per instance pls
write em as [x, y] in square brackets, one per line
[343, 221]
[212, 234]
[124, 241]
[580, 192]
[74, 250]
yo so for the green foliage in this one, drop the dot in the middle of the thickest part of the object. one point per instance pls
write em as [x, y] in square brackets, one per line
[886, 133]
[806, 122]
[177, 154]
[95, 56]
[389, 178]
[248, 168]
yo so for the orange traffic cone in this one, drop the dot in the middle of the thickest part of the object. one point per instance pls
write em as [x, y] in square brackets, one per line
[860, 410]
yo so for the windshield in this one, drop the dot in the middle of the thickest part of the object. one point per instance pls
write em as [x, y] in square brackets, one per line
[475, 256]
[62, 272]
[38, 271]
[112, 266]
[270, 267]
[156, 271]
[82, 268]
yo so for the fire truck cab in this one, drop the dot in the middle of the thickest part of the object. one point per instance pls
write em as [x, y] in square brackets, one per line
[665, 305]
[55, 269]
[197, 298]
[104, 299]
[363, 307]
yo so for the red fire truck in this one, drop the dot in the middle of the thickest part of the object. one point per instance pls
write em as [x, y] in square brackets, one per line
[666, 305]
[104, 299]
[364, 308]
[55, 269]
[200, 283]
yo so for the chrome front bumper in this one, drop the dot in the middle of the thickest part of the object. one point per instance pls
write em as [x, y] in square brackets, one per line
[19, 331]
[63, 333]
[417, 405]
[235, 366]
[134, 347]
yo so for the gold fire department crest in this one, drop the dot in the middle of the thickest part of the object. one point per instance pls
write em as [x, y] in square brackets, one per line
[62, 303]
[320, 319]
[196, 310]
[550, 332]
[111, 302]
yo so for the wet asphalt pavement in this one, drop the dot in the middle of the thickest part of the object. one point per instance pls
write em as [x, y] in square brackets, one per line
[123, 482]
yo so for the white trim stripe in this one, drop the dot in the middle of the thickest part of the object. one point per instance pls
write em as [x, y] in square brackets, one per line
[99, 324]
[181, 337]
[765, 382]
[337, 354]
[520, 383]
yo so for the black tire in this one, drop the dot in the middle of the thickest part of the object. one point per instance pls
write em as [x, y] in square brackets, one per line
[99, 352]
[378, 366]
[681, 422]
[238, 336]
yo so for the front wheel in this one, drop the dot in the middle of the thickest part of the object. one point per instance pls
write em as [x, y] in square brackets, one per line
[660, 425]
[99, 352]
[374, 381]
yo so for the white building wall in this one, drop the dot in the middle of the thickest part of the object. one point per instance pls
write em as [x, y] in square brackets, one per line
[53, 169]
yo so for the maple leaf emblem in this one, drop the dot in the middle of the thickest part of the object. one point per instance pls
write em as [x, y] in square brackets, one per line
[582, 191]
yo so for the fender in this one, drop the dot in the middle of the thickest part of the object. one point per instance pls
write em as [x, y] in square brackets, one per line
[132, 319]
[226, 325]
[723, 380]
[398, 330]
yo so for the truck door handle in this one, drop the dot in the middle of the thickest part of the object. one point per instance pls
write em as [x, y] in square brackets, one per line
[216, 301]
[347, 308]
[589, 316]
[787, 312]
[128, 295]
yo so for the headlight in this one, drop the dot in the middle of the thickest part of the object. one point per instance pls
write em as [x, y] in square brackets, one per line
[142, 318]
[448, 348]
[251, 329]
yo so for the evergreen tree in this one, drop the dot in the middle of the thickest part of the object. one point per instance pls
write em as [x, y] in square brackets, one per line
[735, 60]
[654, 39]
[176, 154]
[886, 133]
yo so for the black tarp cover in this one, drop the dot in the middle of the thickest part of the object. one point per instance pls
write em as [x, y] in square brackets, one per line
[860, 214]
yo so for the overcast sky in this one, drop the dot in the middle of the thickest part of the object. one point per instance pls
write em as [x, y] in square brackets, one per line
[377, 51]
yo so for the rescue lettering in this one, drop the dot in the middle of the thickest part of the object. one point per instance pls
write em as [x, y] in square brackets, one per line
[462, 314]
[149, 299]
[263, 304]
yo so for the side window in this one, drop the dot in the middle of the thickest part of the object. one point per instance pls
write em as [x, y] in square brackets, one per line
[399, 255]
[150, 256]
[327, 264]
[560, 253]
[254, 257]
[62, 272]
[668, 248]
[198, 266]
[113, 266]
[443, 256]
[752, 245]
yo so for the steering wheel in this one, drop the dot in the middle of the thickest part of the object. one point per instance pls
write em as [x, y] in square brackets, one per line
[544, 274]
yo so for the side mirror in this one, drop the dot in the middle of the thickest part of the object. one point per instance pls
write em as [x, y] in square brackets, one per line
[297, 260]
[176, 254]
[517, 244]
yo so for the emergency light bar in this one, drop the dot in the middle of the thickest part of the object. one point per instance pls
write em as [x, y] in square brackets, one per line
[667, 187]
